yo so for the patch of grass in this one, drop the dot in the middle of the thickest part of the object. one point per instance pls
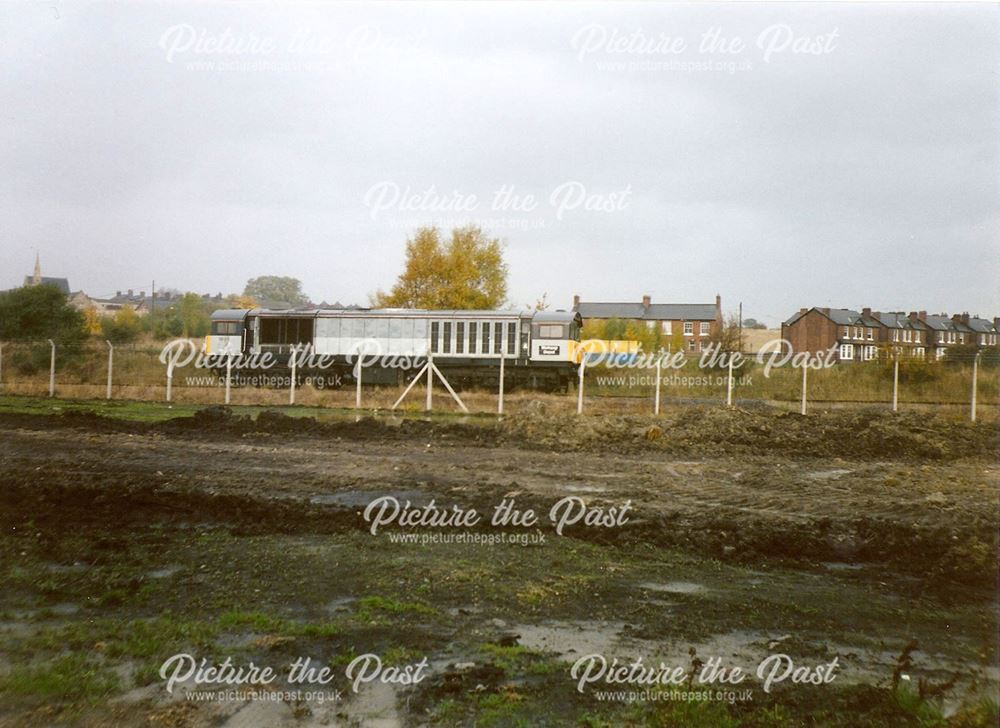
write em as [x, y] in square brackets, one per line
[271, 624]
[370, 608]
[74, 677]
[518, 659]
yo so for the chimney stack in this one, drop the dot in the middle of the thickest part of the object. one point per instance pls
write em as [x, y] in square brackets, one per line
[803, 310]
[130, 293]
[645, 301]
[576, 300]
[866, 312]
[922, 316]
[826, 311]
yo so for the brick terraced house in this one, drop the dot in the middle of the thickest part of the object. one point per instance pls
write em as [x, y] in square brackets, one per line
[863, 335]
[696, 322]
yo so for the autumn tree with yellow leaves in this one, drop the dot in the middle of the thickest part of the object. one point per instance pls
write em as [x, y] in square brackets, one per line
[466, 271]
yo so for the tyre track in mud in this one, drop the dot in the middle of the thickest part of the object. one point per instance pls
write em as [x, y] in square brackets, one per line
[73, 471]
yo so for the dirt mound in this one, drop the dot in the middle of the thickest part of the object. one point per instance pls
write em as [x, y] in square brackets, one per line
[699, 430]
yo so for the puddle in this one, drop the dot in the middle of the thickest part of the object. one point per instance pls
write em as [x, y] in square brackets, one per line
[585, 489]
[842, 566]
[675, 587]
[828, 474]
[74, 568]
[165, 573]
[374, 707]
[343, 604]
[361, 498]
[570, 640]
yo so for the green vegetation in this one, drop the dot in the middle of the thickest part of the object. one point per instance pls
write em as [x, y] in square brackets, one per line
[465, 272]
[275, 290]
[71, 677]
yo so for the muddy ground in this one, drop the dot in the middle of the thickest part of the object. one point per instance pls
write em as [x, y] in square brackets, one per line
[862, 536]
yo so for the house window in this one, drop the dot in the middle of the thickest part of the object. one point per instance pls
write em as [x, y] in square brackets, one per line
[486, 338]
[446, 344]
[871, 334]
[691, 345]
[472, 337]
[688, 328]
[916, 336]
[666, 327]
[704, 328]
[847, 351]
[961, 338]
[919, 351]
[511, 338]
[434, 337]
[459, 337]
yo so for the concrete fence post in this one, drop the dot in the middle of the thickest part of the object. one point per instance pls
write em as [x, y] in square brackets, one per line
[170, 378]
[729, 383]
[111, 366]
[429, 402]
[895, 382]
[229, 373]
[975, 375]
[579, 388]
[500, 389]
[656, 396]
[357, 382]
[52, 369]
[291, 390]
[805, 372]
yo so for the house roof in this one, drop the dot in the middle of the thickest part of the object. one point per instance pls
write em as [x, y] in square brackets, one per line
[940, 322]
[898, 320]
[652, 312]
[982, 326]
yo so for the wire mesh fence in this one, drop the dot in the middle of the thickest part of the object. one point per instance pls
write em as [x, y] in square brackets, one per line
[98, 370]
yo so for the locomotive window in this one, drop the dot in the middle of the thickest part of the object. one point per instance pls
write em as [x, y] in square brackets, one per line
[434, 337]
[460, 337]
[497, 337]
[225, 328]
[511, 338]
[551, 331]
[486, 338]
[472, 337]
[446, 344]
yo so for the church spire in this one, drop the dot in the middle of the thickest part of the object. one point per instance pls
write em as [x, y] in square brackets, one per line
[37, 277]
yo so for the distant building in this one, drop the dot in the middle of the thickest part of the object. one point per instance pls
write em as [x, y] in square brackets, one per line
[861, 335]
[695, 322]
[37, 279]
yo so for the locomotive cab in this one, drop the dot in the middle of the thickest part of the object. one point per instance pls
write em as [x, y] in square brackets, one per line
[554, 336]
[229, 332]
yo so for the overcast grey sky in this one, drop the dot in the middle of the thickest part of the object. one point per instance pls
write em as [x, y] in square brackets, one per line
[846, 155]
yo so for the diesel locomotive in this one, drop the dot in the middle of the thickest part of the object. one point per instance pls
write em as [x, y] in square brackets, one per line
[540, 349]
